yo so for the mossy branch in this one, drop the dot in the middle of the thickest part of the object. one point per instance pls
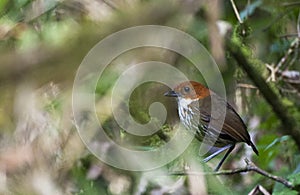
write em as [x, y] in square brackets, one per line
[251, 66]
[250, 166]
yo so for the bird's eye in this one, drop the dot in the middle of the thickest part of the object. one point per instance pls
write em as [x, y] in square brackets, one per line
[186, 89]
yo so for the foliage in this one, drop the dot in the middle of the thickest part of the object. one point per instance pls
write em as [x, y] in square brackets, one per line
[42, 44]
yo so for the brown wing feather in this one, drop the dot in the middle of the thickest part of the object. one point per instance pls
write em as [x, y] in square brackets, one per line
[233, 125]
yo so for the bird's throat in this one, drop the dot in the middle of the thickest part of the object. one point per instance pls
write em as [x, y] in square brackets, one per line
[186, 112]
[185, 102]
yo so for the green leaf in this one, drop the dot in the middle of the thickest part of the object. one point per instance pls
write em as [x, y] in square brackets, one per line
[285, 191]
[295, 178]
[2, 5]
[249, 10]
[277, 140]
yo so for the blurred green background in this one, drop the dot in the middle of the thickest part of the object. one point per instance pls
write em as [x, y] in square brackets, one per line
[42, 43]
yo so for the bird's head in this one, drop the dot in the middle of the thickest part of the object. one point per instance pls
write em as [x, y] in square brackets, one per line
[190, 90]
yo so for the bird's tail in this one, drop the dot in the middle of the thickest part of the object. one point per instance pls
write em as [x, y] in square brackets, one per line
[253, 148]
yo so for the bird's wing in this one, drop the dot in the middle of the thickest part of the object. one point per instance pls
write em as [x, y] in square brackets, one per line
[235, 126]
[238, 129]
[232, 126]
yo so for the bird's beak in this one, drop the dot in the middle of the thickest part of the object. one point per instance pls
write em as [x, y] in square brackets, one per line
[171, 94]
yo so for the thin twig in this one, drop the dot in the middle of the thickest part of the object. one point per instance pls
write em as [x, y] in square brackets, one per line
[292, 49]
[248, 168]
[289, 35]
[253, 167]
[236, 11]
[245, 85]
[283, 60]
[273, 71]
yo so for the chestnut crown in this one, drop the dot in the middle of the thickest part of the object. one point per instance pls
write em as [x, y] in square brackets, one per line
[189, 90]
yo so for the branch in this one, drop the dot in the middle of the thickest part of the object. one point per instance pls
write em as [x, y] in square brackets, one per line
[249, 64]
[248, 168]
[236, 12]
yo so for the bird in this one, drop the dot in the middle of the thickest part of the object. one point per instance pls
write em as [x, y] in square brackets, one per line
[194, 109]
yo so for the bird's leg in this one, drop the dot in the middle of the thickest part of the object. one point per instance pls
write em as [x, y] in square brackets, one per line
[226, 155]
[216, 153]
